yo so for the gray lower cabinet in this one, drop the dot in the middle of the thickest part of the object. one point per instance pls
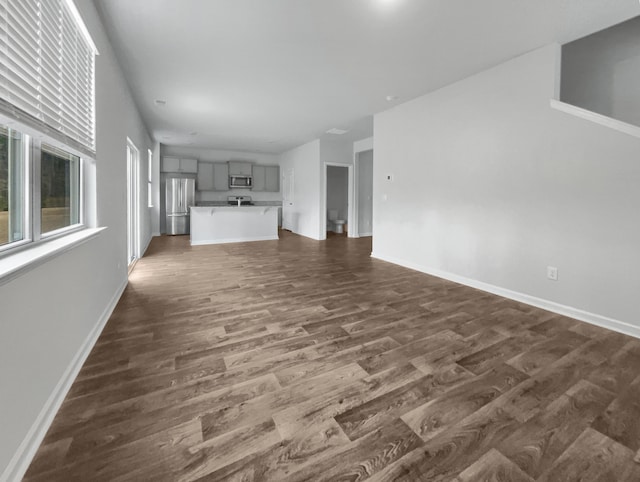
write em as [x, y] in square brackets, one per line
[266, 178]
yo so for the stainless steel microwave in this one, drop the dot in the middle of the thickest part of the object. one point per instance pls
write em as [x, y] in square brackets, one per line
[240, 182]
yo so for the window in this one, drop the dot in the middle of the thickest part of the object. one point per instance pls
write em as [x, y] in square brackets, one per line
[13, 207]
[47, 119]
[150, 177]
[59, 189]
[29, 211]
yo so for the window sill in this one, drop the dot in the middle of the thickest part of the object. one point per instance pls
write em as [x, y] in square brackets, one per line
[15, 265]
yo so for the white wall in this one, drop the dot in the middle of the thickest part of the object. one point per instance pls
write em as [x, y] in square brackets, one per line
[305, 210]
[336, 151]
[48, 313]
[491, 186]
[600, 72]
[364, 188]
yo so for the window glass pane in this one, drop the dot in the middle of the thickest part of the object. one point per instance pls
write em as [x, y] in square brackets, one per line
[59, 189]
[12, 187]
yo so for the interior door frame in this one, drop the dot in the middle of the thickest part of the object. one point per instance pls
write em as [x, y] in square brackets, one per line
[133, 203]
[358, 148]
[356, 194]
[323, 197]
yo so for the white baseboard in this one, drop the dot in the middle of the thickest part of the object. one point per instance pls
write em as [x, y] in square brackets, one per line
[156, 233]
[578, 314]
[365, 235]
[146, 246]
[233, 240]
[26, 451]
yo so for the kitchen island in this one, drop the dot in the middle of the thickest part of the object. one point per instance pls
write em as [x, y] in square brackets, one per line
[233, 224]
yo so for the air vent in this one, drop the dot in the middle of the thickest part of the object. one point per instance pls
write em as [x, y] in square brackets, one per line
[336, 131]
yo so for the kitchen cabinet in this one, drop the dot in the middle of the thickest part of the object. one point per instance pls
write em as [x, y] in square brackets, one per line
[266, 178]
[259, 174]
[220, 176]
[272, 181]
[205, 176]
[239, 168]
[213, 176]
[170, 164]
[173, 164]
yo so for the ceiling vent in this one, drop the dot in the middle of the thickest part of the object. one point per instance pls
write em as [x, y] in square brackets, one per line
[336, 131]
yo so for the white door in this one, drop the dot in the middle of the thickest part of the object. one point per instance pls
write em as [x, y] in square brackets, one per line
[288, 208]
[133, 231]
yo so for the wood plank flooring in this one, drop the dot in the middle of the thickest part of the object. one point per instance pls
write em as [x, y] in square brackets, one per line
[297, 360]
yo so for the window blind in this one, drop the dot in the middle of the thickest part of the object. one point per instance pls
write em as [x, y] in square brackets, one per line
[48, 67]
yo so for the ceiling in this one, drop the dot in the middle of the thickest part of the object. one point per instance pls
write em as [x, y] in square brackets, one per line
[269, 75]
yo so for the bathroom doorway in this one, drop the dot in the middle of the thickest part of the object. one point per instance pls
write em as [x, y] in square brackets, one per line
[337, 200]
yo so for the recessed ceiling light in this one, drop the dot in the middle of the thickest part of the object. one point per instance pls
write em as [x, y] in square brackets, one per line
[160, 102]
[391, 98]
[337, 131]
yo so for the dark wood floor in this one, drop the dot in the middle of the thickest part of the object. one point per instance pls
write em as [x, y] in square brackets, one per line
[303, 360]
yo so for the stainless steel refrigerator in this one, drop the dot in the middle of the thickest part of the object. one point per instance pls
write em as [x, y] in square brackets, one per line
[180, 195]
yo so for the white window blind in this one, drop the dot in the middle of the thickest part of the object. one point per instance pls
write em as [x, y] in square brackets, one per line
[48, 66]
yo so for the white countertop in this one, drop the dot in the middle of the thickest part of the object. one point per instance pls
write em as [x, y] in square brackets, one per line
[204, 209]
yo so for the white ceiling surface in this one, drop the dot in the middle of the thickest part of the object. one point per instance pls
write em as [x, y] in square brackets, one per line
[268, 75]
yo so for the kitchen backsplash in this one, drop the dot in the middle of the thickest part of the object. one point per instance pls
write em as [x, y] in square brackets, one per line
[212, 196]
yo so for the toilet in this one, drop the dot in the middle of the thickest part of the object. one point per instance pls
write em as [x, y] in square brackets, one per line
[336, 225]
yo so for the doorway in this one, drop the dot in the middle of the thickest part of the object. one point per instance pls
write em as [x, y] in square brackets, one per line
[364, 194]
[133, 201]
[288, 207]
[337, 199]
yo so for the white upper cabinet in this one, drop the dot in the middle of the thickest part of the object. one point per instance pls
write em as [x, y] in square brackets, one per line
[173, 164]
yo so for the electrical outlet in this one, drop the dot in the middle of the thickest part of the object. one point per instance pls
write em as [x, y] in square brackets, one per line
[552, 273]
[389, 177]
